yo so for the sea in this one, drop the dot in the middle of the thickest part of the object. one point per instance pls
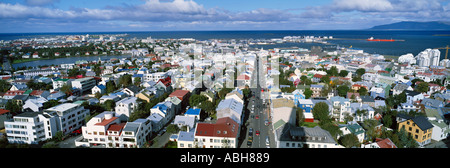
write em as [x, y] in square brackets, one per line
[409, 41]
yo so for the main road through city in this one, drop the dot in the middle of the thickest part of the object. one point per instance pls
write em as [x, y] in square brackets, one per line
[259, 111]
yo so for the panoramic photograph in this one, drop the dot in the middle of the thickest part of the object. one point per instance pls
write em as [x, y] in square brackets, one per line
[224, 74]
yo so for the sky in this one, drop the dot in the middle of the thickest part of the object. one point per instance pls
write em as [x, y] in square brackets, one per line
[22, 16]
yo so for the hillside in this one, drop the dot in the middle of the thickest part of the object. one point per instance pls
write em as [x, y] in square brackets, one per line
[406, 25]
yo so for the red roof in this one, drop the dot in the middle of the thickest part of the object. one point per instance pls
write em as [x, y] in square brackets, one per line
[166, 81]
[243, 77]
[3, 111]
[36, 92]
[116, 127]
[179, 93]
[224, 127]
[385, 143]
[318, 76]
[13, 93]
[106, 121]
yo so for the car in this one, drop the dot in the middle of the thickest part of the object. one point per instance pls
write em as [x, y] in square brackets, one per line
[249, 141]
[267, 141]
[250, 132]
[266, 122]
[257, 116]
[257, 133]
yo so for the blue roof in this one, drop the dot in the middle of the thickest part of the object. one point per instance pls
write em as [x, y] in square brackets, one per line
[161, 106]
[192, 111]
[101, 86]
[138, 75]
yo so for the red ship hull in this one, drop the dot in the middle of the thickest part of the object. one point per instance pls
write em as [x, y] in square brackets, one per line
[380, 40]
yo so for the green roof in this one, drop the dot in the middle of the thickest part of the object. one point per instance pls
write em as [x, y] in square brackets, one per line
[278, 124]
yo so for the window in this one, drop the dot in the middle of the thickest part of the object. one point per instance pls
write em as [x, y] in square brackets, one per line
[417, 130]
[287, 144]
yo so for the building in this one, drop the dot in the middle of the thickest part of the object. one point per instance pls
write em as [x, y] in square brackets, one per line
[290, 136]
[183, 95]
[231, 108]
[58, 83]
[126, 106]
[341, 108]
[69, 116]
[353, 128]
[307, 106]
[99, 88]
[418, 127]
[428, 57]
[222, 134]
[31, 127]
[5, 115]
[380, 143]
[84, 84]
[106, 130]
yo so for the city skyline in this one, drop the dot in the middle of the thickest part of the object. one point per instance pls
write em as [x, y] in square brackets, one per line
[185, 15]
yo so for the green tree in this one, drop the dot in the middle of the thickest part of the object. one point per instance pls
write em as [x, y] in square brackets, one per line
[360, 72]
[110, 87]
[13, 107]
[342, 90]
[66, 89]
[109, 105]
[349, 140]
[422, 87]
[299, 116]
[363, 91]
[196, 99]
[172, 128]
[321, 112]
[50, 103]
[125, 80]
[333, 71]
[4, 86]
[325, 79]
[343, 73]
[308, 92]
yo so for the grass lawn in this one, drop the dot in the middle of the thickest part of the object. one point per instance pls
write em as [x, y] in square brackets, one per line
[171, 144]
[309, 124]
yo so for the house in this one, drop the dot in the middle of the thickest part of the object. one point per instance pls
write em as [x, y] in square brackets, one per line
[16, 87]
[298, 94]
[185, 139]
[341, 108]
[369, 100]
[40, 93]
[165, 110]
[418, 127]
[242, 80]
[399, 88]
[361, 112]
[126, 106]
[34, 104]
[380, 143]
[413, 96]
[317, 90]
[183, 95]
[184, 121]
[222, 134]
[136, 133]
[194, 112]
[131, 90]
[290, 136]
[56, 96]
[99, 88]
[307, 106]
[231, 108]
[353, 128]
[432, 103]
[441, 129]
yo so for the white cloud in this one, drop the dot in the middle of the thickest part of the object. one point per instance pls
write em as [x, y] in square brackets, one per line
[362, 5]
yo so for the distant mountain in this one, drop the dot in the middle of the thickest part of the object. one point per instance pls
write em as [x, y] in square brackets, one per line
[406, 25]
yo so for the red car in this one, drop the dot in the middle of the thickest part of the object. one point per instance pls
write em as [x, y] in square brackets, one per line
[257, 116]
[257, 133]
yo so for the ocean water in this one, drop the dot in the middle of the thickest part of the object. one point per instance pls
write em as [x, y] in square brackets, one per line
[412, 41]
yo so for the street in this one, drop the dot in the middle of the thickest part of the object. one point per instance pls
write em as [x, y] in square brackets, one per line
[259, 113]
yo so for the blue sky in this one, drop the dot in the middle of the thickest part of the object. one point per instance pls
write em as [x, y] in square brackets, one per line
[162, 15]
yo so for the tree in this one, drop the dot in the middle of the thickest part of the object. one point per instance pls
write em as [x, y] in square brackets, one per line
[308, 92]
[172, 128]
[321, 112]
[50, 103]
[196, 99]
[342, 90]
[333, 71]
[4, 86]
[66, 89]
[343, 73]
[110, 87]
[422, 87]
[349, 140]
[109, 105]
[125, 80]
[363, 91]
[325, 79]
[13, 107]
[360, 72]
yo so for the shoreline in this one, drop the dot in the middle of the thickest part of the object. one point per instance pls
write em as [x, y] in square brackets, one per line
[40, 59]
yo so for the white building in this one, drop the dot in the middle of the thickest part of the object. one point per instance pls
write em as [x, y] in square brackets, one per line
[428, 57]
[84, 84]
[58, 83]
[106, 130]
[222, 134]
[126, 106]
[407, 58]
[69, 116]
[31, 127]
[341, 107]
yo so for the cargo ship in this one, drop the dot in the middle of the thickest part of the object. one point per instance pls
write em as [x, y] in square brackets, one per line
[372, 39]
